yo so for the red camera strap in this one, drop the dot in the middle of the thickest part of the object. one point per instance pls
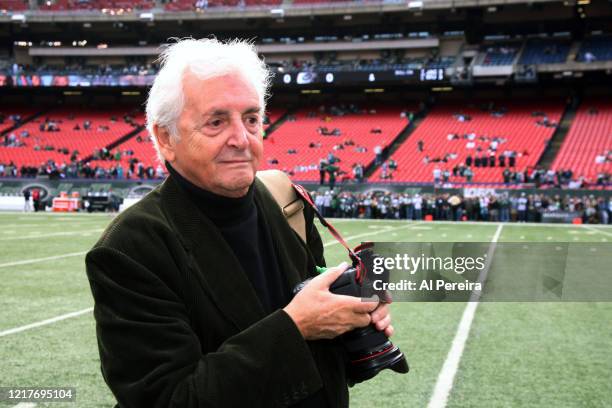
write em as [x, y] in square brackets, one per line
[332, 230]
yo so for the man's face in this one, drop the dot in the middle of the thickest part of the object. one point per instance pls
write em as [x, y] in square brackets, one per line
[220, 144]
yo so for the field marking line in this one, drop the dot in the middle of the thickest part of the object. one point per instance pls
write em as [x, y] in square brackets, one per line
[51, 234]
[598, 230]
[36, 260]
[365, 234]
[45, 322]
[54, 224]
[25, 405]
[446, 378]
[56, 214]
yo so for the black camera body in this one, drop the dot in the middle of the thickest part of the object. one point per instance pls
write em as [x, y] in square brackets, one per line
[368, 350]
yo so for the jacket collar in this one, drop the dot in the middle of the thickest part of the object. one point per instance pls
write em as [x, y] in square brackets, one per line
[213, 262]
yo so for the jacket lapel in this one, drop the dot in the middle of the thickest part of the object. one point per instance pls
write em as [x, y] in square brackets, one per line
[213, 261]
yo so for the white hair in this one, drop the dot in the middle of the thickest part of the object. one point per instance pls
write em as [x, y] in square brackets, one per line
[206, 58]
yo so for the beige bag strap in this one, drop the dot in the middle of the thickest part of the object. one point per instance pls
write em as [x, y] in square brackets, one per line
[281, 188]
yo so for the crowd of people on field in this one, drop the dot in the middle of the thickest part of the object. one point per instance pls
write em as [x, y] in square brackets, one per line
[485, 206]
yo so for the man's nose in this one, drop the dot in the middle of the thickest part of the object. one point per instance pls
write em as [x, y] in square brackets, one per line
[239, 136]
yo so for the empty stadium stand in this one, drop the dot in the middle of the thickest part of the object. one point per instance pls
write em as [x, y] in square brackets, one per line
[297, 135]
[189, 5]
[7, 122]
[140, 145]
[590, 136]
[317, 1]
[598, 48]
[274, 114]
[496, 55]
[544, 52]
[518, 126]
[180, 5]
[67, 5]
[33, 153]
[13, 5]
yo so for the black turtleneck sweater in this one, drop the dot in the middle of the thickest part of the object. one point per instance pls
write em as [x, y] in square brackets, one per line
[244, 228]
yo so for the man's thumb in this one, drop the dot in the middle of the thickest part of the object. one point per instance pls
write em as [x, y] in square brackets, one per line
[329, 276]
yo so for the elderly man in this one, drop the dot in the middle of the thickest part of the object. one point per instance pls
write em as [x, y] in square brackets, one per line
[192, 285]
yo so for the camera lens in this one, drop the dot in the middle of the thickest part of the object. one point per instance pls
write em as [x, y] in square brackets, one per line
[370, 351]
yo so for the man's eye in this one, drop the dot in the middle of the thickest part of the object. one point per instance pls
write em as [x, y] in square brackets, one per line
[252, 120]
[215, 123]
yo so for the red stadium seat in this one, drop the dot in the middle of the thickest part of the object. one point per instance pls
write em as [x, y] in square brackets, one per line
[300, 133]
[85, 141]
[518, 126]
[590, 135]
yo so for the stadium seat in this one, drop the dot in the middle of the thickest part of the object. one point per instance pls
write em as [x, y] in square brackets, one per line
[85, 141]
[518, 126]
[300, 133]
[590, 135]
[544, 52]
[13, 5]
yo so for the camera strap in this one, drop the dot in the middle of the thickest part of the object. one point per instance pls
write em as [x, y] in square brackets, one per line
[301, 191]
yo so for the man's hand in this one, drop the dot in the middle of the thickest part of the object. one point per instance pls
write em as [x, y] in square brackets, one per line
[320, 314]
[382, 319]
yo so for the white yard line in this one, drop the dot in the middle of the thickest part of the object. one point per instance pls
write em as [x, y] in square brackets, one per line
[369, 233]
[446, 378]
[25, 405]
[45, 322]
[600, 230]
[51, 234]
[36, 260]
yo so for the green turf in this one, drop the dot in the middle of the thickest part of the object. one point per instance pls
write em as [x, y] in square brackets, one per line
[517, 354]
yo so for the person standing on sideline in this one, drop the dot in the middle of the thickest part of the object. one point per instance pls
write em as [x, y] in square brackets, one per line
[26, 205]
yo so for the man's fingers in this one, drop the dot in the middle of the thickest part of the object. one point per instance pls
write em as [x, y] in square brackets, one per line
[363, 306]
[381, 311]
[328, 277]
[383, 323]
[362, 319]
[389, 331]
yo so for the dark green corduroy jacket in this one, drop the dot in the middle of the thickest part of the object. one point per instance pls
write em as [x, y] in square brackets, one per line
[179, 324]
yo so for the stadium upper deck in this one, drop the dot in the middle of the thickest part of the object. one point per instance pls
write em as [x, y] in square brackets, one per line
[108, 10]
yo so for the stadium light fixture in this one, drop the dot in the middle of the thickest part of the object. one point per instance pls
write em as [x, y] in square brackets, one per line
[278, 12]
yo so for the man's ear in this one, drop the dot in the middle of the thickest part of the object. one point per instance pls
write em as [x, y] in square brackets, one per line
[165, 142]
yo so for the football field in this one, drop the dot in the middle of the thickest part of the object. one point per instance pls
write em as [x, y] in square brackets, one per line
[460, 354]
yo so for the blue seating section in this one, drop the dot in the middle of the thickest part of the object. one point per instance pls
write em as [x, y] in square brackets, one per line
[499, 55]
[441, 63]
[544, 52]
[599, 47]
